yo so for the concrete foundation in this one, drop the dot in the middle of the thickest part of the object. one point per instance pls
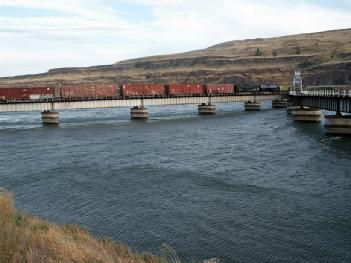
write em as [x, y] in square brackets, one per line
[252, 106]
[139, 113]
[290, 107]
[207, 109]
[50, 117]
[307, 115]
[337, 125]
[279, 103]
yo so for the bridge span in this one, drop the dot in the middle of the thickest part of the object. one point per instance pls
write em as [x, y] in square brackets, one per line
[46, 105]
[306, 106]
[139, 110]
[338, 101]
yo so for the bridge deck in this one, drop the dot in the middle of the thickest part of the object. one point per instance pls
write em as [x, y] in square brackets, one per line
[339, 101]
[114, 103]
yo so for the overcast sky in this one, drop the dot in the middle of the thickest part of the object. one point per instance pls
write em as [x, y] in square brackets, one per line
[36, 35]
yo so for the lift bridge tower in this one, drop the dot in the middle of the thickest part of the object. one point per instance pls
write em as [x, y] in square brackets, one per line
[297, 82]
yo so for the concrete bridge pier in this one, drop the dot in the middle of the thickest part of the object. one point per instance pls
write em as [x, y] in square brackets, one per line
[290, 107]
[139, 113]
[279, 103]
[50, 117]
[307, 115]
[207, 109]
[337, 124]
[252, 105]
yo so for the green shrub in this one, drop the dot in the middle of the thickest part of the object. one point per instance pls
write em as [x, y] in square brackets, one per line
[310, 63]
[258, 52]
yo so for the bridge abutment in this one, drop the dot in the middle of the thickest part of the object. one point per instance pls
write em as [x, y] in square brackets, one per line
[139, 113]
[252, 106]
[337, 124]
[207, 109]
[50, 117]
[307, 115]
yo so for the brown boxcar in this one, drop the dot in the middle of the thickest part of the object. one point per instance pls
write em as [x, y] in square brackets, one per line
[29, 93]
[220, 89]
[143, 90]
[90, 91]
[186, 89]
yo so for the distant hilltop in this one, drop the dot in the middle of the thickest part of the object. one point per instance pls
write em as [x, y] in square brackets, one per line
[324, 58]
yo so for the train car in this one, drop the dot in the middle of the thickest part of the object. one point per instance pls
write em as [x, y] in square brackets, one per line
[246, 87]
[28, 93]
[220, 89]
[90, 91]
[185, 90]
[143, 90]
[269, 88]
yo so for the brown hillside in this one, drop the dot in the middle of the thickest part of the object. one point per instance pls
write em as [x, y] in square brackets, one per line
[323, 58]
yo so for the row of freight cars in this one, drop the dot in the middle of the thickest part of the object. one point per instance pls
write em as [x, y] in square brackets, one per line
[104, 91]
[114, 91]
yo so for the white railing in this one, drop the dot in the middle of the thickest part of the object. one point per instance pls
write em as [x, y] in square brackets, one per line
[324, 93]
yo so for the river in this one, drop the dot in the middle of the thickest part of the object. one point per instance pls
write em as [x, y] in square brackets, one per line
[239, 186]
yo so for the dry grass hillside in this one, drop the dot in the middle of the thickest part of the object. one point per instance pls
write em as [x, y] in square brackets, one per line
[323, 58]
[26, 238]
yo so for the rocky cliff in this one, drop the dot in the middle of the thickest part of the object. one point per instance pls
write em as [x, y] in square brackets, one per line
[323, 58]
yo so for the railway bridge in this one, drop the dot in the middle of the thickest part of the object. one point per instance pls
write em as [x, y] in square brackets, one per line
[49, 108]
[306, 106]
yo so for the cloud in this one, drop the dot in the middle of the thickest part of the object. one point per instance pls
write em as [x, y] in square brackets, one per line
[89, 8]
[248, 18]
[101, 31]
[83, 16]
[65, 26]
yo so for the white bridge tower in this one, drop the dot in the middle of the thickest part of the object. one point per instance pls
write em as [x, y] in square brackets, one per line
[297, 83]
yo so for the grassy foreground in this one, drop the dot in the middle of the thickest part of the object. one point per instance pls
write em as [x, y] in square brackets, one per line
[26, 238]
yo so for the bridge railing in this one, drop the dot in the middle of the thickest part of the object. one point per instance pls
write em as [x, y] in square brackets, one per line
[322, 93]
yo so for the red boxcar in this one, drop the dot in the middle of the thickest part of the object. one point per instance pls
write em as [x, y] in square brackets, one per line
[220, 89]
[90, 91]
[29, 93]
[186, 89]
[143, 90]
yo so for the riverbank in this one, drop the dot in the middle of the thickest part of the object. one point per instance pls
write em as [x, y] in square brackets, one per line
[26, 238]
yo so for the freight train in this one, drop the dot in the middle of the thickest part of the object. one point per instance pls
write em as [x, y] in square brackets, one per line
[113, 91]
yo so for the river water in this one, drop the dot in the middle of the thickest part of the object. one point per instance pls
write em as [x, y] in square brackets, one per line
[242, 187]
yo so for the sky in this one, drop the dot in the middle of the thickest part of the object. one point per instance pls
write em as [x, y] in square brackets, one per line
[37, 35]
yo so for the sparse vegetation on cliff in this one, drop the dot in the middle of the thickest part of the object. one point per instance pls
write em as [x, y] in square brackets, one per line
[310, 63]
[297, 50]
[258, 52]
[26, 238]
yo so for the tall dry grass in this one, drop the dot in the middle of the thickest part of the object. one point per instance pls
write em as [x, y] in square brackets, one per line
[28, 239]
